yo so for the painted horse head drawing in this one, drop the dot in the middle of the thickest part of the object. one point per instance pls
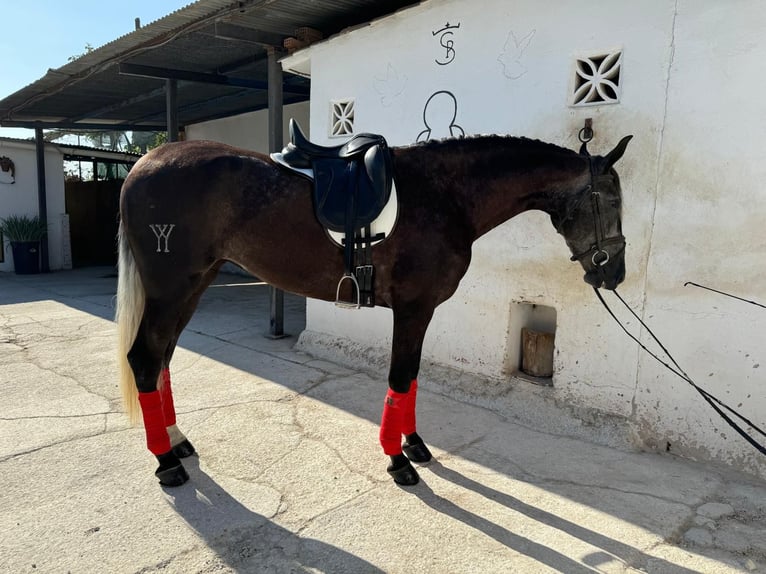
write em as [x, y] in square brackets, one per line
[188, 207]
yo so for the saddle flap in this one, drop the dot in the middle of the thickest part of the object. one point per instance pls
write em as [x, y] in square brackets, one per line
[377, 163]
[352, 182]
[331, 180]
[344, 190]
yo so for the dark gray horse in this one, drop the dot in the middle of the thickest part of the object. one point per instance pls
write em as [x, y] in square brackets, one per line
[188, 207]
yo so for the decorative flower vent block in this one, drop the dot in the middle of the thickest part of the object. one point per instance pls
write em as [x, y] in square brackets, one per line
[596, 79]
[342, 117]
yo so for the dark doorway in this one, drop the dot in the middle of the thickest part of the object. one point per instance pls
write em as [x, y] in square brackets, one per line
[93, 208]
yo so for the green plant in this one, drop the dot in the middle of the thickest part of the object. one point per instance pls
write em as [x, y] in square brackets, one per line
[23, 228]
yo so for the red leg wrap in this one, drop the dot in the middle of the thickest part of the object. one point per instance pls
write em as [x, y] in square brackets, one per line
[408, 420]
[168, 408]
[391, 422]
[157, 439]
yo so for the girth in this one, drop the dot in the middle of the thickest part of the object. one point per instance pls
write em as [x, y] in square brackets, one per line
[352, 184]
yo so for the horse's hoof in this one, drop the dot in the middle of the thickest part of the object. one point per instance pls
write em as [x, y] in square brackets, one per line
[417, 452]
[170, 472]
[405, 476]
[174, 476]
[184, 449]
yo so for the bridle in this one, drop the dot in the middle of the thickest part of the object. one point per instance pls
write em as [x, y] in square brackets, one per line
[598, 255]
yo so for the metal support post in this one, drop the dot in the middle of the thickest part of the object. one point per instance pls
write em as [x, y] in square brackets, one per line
[42, 198]
[277, 299]
[171, 104]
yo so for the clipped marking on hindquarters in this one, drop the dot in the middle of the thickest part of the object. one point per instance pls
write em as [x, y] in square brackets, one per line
[162, 232]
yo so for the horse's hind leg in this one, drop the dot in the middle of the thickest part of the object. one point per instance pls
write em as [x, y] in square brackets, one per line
[180, 445]
[149, 358]
[146, 358]
[399, 408]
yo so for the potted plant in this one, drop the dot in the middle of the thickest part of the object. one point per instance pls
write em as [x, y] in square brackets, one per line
[24, 234]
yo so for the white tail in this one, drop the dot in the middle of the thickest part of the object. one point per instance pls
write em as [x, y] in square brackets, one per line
[130, 308]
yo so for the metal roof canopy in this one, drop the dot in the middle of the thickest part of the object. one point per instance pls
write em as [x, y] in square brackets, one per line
[208, 60]
[215, 52]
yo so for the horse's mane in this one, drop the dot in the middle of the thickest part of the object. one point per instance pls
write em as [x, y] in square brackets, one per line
[493, 141]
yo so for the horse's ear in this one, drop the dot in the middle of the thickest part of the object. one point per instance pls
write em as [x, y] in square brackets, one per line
[584, 149]
[613, 156]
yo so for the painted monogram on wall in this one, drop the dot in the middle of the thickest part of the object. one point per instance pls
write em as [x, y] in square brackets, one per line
[445, 41]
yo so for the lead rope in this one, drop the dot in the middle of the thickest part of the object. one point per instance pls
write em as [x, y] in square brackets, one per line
[724, 293]
[714, 402]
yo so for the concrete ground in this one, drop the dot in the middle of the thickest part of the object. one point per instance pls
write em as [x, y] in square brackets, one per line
[290, 476]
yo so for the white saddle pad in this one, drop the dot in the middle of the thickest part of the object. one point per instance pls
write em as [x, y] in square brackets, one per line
[384, 223]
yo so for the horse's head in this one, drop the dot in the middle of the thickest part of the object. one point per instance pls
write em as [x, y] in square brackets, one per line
[591, 222]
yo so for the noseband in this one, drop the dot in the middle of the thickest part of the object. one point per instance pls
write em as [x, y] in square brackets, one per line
[599, 255]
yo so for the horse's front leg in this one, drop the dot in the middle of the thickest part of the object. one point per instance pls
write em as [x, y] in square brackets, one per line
[399, 408]
[180, 445]
[413, 448]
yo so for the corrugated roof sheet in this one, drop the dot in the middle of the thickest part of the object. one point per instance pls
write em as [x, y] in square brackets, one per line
[206, 37]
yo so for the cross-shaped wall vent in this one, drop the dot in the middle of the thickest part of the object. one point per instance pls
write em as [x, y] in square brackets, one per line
[596, 79]
[342, 117]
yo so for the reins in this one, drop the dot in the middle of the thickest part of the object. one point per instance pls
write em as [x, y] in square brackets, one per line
[724, 293]
[717, 405]
[599, 261]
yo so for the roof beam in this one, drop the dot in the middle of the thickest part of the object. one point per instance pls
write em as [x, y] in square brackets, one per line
[69, 125]
[185, 75]
[227, 31]
[156, 93]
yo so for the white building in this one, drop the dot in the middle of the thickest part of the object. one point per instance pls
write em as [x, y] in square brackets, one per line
[19, 196]
[77, 217]
[683, 76]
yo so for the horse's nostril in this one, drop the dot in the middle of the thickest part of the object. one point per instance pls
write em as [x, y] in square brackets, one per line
[593, 279]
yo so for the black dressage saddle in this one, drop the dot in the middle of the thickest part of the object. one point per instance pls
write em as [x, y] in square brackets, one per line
[352, 184]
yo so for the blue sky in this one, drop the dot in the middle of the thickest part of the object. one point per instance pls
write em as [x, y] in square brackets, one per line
[42, 34]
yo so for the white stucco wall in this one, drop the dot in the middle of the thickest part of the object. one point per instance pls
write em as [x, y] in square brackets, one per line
[692, 181]
[20, 198]
[249, 131]
[709, 228]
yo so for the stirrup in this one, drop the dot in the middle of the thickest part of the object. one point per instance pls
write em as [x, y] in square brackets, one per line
[346, 304]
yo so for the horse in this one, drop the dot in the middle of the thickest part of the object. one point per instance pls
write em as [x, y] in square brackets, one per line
[188, 207]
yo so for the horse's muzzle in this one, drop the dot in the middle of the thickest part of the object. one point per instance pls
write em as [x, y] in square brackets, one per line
[609, 276]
